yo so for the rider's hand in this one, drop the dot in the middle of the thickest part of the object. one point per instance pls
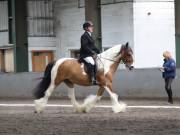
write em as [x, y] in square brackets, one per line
[94, 56]
[161, 69]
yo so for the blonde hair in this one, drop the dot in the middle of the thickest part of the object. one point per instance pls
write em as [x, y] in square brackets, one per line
[167, 54]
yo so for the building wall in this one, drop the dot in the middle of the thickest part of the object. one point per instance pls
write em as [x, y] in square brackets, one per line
[147, 26]
[117, 24]
[177, 26]
[177, 51]
[69, 19]
[154, 31]
[7, 61]
[4, 39]
[138, 83]
[41, 44]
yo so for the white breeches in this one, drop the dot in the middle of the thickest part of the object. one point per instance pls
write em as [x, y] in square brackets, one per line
[89, 60]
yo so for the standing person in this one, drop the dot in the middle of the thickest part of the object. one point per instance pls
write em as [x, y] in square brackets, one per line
[88, 50]
[168, 73]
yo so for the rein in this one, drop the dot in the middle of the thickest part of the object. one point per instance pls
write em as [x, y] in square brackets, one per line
[109, 59]
[130, 67]
[124, 61]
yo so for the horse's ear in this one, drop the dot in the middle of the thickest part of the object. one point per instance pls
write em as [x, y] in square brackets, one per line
[127, 45]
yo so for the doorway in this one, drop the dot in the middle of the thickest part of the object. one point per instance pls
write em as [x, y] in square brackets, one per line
[40, 59]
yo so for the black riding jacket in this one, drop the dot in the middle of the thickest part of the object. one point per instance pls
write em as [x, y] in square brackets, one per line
[88, 47]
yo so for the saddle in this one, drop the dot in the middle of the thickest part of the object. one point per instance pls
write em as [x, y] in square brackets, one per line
[90, 70]
[86, 65]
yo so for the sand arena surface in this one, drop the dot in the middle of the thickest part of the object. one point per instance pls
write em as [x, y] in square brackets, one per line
[59, 120]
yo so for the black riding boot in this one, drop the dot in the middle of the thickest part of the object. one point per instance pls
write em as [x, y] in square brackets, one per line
[168, 82]
[170, 100]
[93, 75]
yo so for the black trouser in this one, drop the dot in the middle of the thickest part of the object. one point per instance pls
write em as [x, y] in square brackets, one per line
[168, 82]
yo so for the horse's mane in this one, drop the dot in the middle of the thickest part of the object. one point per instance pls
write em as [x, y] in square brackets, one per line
[107, 57]
[111, 52]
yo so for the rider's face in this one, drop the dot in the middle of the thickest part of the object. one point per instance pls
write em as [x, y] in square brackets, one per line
[90, 29]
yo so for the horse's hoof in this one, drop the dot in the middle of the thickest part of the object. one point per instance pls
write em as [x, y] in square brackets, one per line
[119, 108]
[38, 112]
[84, 111]
[80, 110]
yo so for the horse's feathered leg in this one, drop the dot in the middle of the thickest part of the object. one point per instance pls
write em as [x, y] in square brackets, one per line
[91, 100]
[116, 106]
[71, 94]
[41, 103]
[44, 88]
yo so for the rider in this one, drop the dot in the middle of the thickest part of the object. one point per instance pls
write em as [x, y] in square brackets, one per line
[88, 50]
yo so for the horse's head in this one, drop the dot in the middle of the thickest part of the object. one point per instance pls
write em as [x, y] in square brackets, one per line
[127, 56]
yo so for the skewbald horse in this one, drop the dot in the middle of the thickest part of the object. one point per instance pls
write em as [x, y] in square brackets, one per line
[70, 71]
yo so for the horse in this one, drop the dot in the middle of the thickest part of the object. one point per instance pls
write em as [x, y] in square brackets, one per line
[71, 72]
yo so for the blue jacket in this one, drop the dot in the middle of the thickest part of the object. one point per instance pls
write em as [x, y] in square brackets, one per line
[169, 68]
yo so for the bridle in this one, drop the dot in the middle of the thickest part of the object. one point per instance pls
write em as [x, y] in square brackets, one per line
[123, 60]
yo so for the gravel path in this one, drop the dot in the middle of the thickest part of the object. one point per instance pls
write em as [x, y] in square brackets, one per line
[100, 121]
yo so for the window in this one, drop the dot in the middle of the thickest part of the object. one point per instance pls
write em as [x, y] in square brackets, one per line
[40, 18]
[3, 16]
[74, 53]
[81, 3]
[4, 38]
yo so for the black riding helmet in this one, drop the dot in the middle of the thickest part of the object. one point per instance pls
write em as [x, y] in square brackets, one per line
[87, 24]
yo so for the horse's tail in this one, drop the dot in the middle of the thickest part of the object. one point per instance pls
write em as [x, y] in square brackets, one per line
[40, 89]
